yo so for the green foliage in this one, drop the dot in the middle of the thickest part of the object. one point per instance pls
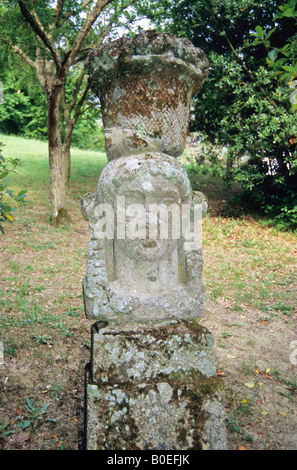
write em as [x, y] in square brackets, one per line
[282, 60]
[205, 158]
[33, 416]
[88, 135]
[9, 202]
[21, 114]
[24, 110]
[246, 103]
[3, 427]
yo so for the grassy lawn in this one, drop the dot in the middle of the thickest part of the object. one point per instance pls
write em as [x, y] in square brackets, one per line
[34, 173]
[250, 280]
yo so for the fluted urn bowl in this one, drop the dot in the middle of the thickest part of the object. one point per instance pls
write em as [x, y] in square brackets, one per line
[145, 86]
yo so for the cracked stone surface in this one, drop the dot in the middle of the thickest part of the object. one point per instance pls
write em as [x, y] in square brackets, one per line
[152, 388]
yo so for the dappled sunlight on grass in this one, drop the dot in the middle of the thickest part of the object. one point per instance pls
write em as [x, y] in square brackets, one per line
[249, 263]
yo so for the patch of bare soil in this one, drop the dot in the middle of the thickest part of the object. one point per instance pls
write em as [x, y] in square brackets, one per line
[259, 365]
[54, 381]
[46, 338]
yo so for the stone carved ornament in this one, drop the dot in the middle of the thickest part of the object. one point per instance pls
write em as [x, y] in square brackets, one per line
[145, 86]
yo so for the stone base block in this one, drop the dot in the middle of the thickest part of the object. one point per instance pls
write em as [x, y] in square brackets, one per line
[154, 387]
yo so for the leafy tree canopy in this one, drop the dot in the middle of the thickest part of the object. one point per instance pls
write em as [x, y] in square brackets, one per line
[246, 104]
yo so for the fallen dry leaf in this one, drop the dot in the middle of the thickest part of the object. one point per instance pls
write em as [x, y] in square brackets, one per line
[249, 384]
[22, 438]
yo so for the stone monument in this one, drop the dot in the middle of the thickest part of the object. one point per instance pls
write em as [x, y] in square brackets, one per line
[152, 382]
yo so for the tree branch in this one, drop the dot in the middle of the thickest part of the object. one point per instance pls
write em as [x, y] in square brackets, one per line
[90, 107]
[68, 108]
[38, 65]
[80, 103]
[86, 50]
[240, 60]
[77, 88]
[58, 11]
[40, 32]
[84, 31]
[20, 52]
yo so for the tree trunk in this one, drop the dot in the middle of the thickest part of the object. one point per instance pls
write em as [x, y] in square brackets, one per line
[66, 151]
[57, 172]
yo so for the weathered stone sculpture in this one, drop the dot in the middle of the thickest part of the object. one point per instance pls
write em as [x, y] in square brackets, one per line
[152, 383]
[145, 87]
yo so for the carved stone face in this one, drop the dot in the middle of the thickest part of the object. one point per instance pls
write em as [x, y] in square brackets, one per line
[155, 241]
[148, 187]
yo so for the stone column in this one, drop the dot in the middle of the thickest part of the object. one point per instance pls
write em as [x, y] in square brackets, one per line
[152, 382]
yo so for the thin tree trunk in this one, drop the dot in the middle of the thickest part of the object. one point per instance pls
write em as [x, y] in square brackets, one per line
[56, 163]
[70, 122]
[66, 152]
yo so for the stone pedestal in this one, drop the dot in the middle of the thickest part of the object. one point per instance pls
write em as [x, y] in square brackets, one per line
[154, 389]
[152, 383]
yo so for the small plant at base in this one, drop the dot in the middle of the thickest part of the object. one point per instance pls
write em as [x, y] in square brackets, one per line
[34, 416]
[248, 367]
[43, 339]
[6, 433]
[239, 412]
[54, 391]
[290, 385]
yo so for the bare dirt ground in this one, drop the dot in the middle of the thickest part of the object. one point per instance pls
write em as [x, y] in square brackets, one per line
[46, 342]
[255, 362]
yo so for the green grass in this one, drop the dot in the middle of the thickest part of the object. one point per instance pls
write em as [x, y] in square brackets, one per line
[250, 264]
[34, 155]
[33, 175]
